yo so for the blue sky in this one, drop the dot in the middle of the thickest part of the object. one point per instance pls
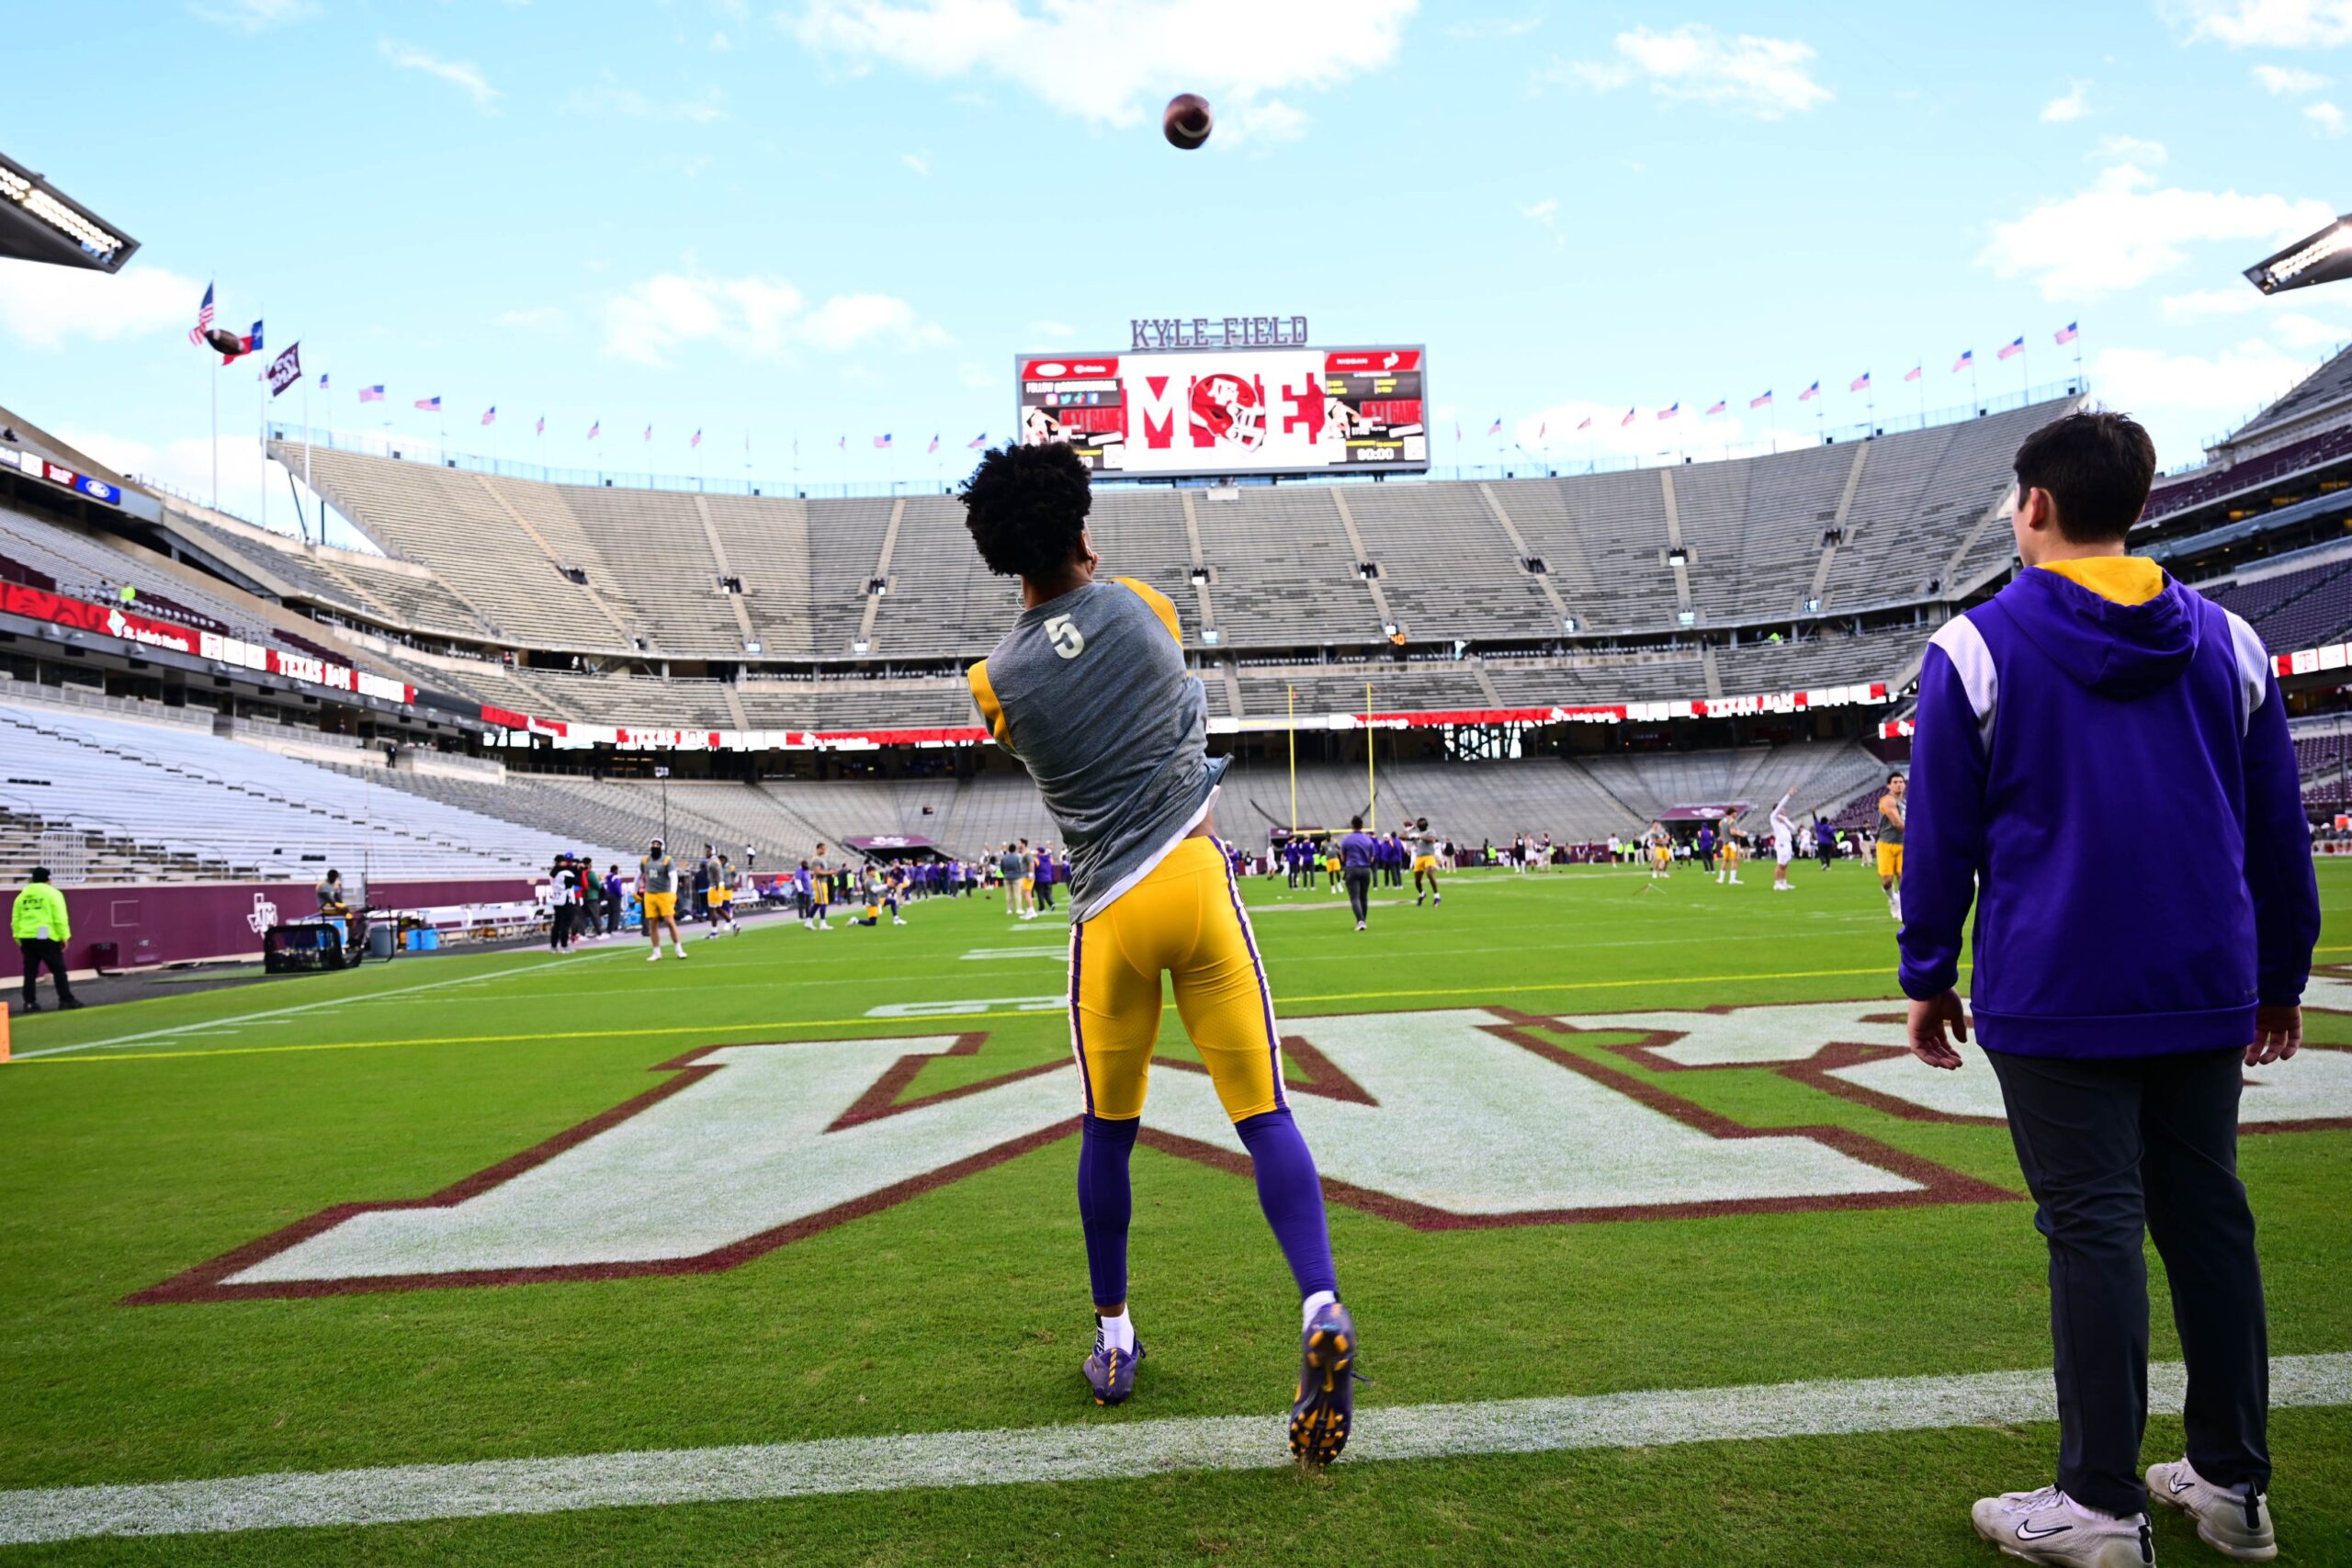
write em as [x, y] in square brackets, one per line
[838, 218]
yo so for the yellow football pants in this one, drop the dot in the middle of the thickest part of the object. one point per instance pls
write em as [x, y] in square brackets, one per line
[1184, 919]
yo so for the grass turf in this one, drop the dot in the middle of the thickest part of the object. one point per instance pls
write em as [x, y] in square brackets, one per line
[125, 1163]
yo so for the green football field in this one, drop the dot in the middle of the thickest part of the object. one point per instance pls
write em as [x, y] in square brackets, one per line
[1660, 1253]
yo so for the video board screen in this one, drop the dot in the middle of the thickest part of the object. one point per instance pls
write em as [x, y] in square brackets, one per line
[1231, 412]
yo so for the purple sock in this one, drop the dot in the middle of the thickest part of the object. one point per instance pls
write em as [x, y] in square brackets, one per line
[1291, 1196]
[1105, 1202]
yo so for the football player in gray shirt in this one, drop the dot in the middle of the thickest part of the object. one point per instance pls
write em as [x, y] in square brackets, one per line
[1090, 692]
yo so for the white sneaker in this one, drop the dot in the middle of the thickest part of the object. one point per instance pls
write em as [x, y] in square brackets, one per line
[680, 950]
[897, 920]
[2233, 1523]
[656, 958]
[2048, 1527]
[1359, 925]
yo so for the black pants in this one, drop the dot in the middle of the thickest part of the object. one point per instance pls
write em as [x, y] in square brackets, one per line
[36, 952]
[611, 916]
[1359, 892]
[1044, 892]
[2107, 1147]
[559, 928]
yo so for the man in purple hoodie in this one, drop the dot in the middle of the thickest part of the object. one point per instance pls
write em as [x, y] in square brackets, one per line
[2093, 706]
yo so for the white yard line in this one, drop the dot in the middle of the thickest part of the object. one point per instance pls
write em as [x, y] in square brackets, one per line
[1077, 1451]
[238, 1021]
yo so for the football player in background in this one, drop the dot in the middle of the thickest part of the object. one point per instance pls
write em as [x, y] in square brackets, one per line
[1425, 851]
[1784, 843]
[1890, 844]
[1090, 691]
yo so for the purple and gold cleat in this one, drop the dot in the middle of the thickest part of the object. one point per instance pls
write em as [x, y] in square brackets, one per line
[1326, 1406]
[1111, 1373]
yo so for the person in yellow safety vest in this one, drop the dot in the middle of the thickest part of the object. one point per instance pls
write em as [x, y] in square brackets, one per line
[41, 926]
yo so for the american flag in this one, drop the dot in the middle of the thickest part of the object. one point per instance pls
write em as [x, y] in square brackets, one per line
[842, 444]
[1859, 383]
[1912, 374]
[1585, 423]
[696, 441]
[203, 318]
[322, 380]
[1540, 426]
[649, 432]
[2067, 334]
[489, 414]
[1965, 362]
[1810, 393]
[2016, 345]
[934, 447]
[1718, 406]
[430, 405]
[374, 394]
[977, 442]
[881, 443]
[1760, 399]
[1495, 428]
[1627, 420]
[542, 429]
[1670, 410]
[595, 429]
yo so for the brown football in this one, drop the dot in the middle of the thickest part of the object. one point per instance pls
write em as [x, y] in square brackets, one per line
[1186, 121]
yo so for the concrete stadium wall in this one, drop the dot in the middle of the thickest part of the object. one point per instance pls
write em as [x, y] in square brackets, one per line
[180, 923]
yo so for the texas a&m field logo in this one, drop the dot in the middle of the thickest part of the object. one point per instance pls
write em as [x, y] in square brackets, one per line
[1460, 1118]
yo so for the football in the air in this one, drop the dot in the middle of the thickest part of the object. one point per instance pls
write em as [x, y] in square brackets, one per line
[1186, 120]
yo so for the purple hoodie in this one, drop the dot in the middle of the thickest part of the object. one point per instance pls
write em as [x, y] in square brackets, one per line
[2114, 787]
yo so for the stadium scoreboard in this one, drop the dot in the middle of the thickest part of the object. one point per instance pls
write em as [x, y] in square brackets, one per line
[1231, 412]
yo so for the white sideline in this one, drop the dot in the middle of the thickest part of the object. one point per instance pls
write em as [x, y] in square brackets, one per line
[1077, 1452]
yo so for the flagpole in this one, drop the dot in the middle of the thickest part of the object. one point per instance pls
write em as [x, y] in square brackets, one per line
[1370, 780]
[1291, 734]
[216, 434]
[1923, 394]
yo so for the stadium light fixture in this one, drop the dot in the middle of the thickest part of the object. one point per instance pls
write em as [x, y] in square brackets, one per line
[1677, 556]
[1687, 618]
[752, 646]
[40, 222]
[860, 646]
[2324, 257]
[1569, 623]
[1211, 635]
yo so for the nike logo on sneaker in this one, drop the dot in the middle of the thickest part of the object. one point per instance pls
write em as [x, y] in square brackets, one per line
[2027, 1532]
[2181, 1483]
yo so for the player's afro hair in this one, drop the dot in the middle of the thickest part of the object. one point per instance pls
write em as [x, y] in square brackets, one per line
[1026, 506]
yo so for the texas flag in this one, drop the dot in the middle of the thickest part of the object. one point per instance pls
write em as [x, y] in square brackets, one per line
[977, 442]
[1912, 374]
[882, 442]
[1810, 393]
[1760, 399]
[374, 394]
[1965, 362]
[1717, 407]
[2067, 334]
[430, 405]
[249, 343]
[2017, 345]
[1859, 383]
[489, 414]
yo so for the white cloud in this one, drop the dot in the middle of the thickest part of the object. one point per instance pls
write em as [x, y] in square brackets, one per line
[2268, 24]
[48, 307]
[720, 43]
[1107, 63]
[1546, 211]
[2200, 303]
[1482, 28]
[979, 378]
[2124, 230]
[919, 162]
[2129, 150]
[2297, 330]
[2288, 80]
[2327, 117]
[1767, 77]
[759, 318]
[2075, 106]
[253, 16]
[1059, 332]
[2231, 383]
[608, 96]
[460, 73]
